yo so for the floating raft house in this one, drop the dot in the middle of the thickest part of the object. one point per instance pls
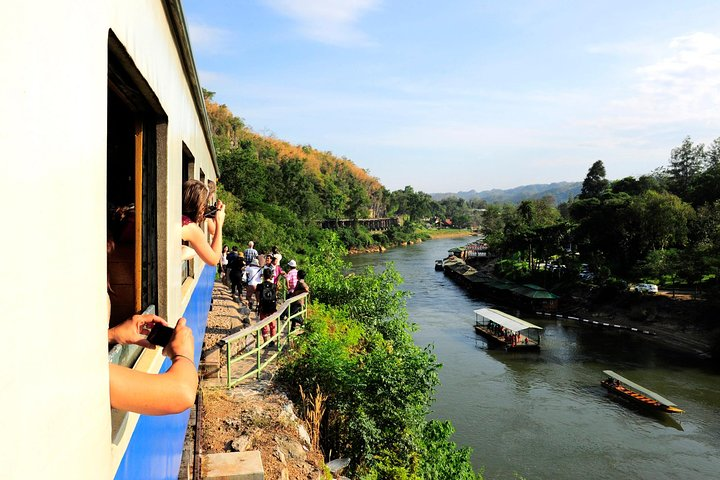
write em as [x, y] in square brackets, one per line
[500, 328]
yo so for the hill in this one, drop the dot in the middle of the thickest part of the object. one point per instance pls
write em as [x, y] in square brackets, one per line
[561, 191]
[313, 184]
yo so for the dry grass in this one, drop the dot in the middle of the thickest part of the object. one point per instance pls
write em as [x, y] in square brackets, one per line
[313, 411]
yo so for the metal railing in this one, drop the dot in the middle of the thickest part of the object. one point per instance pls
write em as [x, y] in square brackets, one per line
[283, 318]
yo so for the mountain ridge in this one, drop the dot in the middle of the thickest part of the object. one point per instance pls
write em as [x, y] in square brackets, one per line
[559, 190]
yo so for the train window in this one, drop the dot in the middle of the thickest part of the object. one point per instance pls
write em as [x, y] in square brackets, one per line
[136, 147]
[136, 131]
[211, 194]
[188, 172]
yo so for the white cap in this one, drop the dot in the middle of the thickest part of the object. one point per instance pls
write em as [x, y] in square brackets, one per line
[292, 263]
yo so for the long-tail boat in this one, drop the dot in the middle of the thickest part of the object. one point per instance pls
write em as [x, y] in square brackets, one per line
[637, 394]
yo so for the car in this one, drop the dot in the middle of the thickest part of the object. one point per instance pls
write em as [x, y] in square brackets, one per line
[587, 276]
[648, 288]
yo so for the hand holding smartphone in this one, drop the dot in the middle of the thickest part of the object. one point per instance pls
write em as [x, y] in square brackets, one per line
[160, 335]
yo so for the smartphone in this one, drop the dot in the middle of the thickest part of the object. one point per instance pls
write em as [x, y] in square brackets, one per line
[160, 335]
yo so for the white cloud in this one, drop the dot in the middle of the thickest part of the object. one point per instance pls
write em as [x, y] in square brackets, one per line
[675, 95]
[328, 21]
[683, 86]
[207, 39]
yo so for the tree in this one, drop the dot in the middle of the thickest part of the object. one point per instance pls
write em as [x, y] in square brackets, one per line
[712, 154]
[243, 174]
[606, 230]
[663, 220]
[416, 205]
[299, 190]
[457, 210]
[595, 182]
[686, 163]
[633, 186]
[335, 201]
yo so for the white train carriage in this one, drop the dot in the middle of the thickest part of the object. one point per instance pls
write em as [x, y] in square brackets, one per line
[100, 105]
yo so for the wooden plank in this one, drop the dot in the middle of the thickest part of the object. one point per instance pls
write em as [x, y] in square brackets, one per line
[138, 213]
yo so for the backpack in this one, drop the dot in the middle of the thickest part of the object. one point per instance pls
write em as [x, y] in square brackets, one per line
[232, 259]
[268, 296]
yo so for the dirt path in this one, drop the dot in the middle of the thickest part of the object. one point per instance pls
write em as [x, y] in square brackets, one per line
[254, 415]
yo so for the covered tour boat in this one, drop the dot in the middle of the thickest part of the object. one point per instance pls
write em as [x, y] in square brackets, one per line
[502, 329]
[637, 394]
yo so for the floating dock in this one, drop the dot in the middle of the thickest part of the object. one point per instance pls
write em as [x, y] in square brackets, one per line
[502, 329]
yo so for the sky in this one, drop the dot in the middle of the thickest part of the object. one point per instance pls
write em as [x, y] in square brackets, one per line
[468, 94]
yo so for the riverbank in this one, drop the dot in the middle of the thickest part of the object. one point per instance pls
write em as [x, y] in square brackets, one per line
[427, 234]
[436, 233]
[680, 323]
[677, 323]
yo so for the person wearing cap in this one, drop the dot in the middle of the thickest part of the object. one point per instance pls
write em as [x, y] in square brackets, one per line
[291, 276]
[253, 274]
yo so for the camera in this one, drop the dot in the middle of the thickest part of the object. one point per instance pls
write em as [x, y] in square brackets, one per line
[211, 210]
[160, 335]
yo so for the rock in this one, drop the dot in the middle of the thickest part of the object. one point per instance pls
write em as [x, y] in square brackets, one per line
[233, 422]
[304, 436]
[294, 449]
[280, 456]
[338, 464]
[284, 475]
[289, 410]
[240, 444]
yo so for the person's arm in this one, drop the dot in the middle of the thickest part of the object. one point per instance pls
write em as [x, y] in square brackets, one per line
[170, 392]
[210, 222]
[209, 253]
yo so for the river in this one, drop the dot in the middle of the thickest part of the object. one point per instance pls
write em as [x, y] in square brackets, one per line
[544, 415]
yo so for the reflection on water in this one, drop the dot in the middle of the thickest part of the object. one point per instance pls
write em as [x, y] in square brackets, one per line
[544, 415]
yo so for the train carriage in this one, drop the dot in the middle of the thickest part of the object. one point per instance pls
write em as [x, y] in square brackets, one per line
[101, 106]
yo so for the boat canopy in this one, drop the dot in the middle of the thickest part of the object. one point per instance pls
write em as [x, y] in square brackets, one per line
[513, 324]
[643, 390]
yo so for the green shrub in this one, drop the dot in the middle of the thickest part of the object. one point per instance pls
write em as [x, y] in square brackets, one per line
[358, 350]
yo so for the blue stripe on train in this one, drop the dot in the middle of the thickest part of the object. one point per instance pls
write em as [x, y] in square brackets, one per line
[155, 449]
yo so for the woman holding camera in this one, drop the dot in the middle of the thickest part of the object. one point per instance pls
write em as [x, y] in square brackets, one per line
[194, 209]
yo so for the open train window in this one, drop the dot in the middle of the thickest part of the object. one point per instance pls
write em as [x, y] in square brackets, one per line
[136, 131]
[188, 172]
